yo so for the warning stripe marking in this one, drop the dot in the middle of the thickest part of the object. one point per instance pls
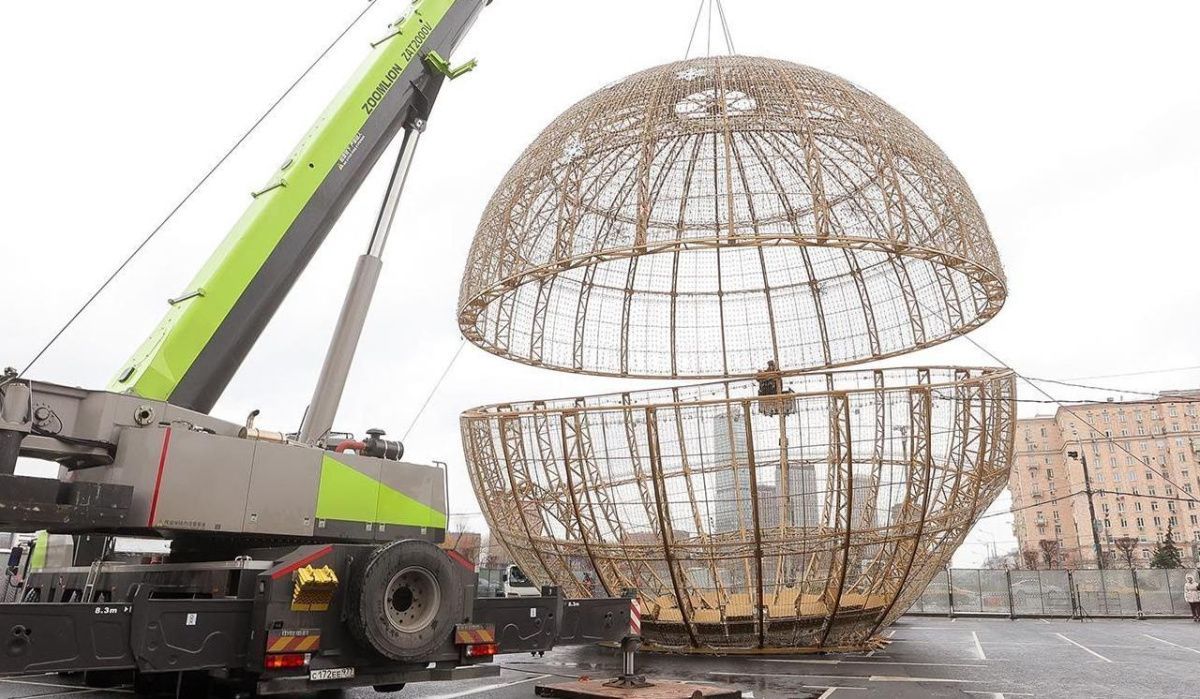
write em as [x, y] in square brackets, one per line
[471, 635]
[292, 644]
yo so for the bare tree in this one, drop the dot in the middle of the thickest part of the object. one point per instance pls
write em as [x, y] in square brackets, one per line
[1126, 545]
[1049, 551]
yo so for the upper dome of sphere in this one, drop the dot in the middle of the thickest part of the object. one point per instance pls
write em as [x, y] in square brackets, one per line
[702, 217]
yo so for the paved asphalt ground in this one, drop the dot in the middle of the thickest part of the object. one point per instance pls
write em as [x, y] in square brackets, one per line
[928, 657]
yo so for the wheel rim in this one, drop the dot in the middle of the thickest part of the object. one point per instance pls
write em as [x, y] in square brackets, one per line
[412, 599]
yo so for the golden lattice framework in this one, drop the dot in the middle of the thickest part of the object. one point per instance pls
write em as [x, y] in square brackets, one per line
[700, 219]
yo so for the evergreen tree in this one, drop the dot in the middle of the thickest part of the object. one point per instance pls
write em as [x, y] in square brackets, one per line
[1166, 553]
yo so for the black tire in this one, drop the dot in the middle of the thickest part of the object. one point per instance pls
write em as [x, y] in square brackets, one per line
[404, 600]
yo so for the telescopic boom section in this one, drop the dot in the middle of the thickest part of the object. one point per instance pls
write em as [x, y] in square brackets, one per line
[191, 356]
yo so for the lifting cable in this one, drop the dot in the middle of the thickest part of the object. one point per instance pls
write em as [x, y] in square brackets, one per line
[727, 36]
[146, 241]
[461, 343]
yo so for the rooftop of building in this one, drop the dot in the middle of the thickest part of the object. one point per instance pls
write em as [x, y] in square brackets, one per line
[1187, 395]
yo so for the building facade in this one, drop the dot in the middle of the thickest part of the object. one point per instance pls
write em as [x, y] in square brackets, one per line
[1143, 464]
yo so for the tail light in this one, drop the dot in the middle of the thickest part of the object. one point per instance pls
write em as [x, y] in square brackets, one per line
[283, 661]
[481, 650]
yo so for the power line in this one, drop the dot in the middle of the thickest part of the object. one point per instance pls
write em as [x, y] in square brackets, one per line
[1093, 388]
[146, 241]
[1134, 373]
[1044, 392]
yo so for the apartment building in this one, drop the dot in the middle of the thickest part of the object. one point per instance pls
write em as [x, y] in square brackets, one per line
[1143, 462]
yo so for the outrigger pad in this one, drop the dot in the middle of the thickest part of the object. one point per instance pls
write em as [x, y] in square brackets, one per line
[596, 689]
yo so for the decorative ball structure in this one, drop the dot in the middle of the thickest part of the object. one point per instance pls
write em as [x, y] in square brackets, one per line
[701, 219]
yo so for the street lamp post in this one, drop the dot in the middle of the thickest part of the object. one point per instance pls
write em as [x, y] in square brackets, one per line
[1087, 489]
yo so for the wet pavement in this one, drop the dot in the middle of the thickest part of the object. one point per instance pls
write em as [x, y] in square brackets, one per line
[928, 657]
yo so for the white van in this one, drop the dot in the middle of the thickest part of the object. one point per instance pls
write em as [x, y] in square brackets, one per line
[515, 584]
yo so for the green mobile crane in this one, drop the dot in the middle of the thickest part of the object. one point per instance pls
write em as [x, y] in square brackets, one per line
[311, 561]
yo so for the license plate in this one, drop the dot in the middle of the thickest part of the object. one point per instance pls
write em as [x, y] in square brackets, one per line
[331, 673]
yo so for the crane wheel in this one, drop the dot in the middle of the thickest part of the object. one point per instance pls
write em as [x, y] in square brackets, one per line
[403, 601]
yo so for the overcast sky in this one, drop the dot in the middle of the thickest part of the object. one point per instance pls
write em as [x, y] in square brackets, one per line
[1076, 125]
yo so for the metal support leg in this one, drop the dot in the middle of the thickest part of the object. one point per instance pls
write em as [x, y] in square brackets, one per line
[322, 409]
[629, 679]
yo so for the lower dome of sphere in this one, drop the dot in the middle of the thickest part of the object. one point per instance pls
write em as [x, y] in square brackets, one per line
[807, 518]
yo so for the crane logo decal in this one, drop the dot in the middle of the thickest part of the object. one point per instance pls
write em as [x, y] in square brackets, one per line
[382, 88]
[393, 74]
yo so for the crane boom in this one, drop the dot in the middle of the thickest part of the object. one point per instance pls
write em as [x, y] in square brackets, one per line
[189, 359]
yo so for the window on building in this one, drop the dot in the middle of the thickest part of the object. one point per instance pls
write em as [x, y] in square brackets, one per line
[1141, 430]
[1182, 458]
[1158, 521]
[1124, 523]
[1150, 477]
[1043, 431]
[1172, 412]
[1172, 522]
[1140, 522]
[1049, 473]
[1194, 520]
[1137, 506]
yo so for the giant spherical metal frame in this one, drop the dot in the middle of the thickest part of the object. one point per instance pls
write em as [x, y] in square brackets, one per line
[700, 219]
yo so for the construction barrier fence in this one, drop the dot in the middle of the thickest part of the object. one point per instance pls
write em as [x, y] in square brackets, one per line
[1056, 593]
